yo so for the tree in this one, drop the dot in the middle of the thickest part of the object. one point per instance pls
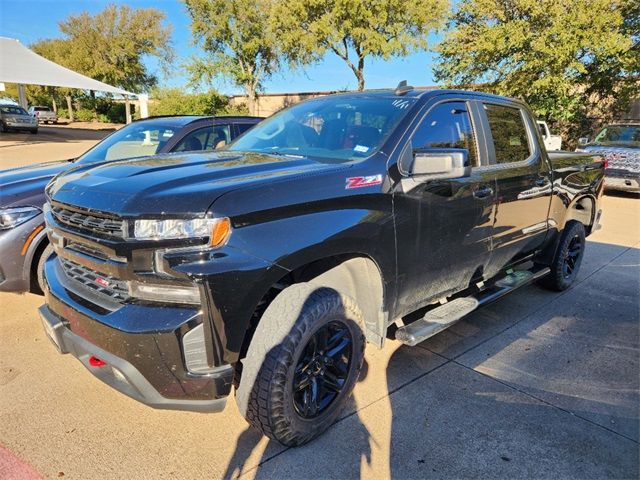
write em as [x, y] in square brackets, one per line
[112, 45]
[564, 57]
[356, 29]
[237, 43]
[175, 101]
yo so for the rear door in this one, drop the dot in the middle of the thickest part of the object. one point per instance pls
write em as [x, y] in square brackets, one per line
[523, 182]
[444, 227]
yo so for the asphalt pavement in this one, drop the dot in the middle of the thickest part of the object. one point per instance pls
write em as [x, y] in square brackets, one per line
[536, 385]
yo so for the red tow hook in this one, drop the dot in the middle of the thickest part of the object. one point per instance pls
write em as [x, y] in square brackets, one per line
[96, 362]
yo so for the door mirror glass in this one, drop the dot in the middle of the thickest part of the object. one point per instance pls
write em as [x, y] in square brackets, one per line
[582, 141]
[440, 163]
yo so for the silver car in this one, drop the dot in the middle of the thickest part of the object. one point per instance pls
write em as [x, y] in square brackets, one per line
[43, 114]
[14, 117]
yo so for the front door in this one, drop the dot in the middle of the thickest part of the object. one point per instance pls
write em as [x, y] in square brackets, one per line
[443, 227]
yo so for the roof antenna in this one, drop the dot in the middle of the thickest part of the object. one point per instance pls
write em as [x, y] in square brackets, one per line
[403, 88]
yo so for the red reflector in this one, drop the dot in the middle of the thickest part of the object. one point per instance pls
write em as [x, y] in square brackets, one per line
[96, 362]
[606, 163]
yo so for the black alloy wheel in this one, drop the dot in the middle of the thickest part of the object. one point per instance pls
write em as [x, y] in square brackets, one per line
[572, 255]
[322, 369]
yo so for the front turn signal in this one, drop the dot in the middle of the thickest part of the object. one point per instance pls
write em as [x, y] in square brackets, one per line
[220, 232]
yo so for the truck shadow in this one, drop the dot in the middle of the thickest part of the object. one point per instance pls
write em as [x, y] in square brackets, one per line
[539, 384]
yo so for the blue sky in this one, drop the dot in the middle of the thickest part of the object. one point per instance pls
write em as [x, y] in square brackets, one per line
[31, 20]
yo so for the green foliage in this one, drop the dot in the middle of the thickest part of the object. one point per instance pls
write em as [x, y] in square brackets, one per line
[366, 28]
[175, 101]
[83, 115]
[111, 45]
[236, 42]
[566, 58]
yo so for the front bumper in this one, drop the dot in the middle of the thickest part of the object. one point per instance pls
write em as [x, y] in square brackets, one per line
[21, 125]
[144, 360]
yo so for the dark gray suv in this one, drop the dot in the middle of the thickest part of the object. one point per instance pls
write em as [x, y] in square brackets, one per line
[23, 242]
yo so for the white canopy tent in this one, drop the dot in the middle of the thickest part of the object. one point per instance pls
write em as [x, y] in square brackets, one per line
[20, 65]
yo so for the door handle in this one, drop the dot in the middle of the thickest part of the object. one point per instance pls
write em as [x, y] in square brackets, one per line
[483, 192]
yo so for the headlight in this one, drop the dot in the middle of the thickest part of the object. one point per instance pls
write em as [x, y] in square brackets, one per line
[216, 229]
[14, 216]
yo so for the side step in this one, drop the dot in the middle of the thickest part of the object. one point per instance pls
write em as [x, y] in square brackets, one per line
[442, 317]
[436, 320]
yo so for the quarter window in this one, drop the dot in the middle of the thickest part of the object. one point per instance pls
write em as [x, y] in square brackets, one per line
[447, 125]
[509, 132]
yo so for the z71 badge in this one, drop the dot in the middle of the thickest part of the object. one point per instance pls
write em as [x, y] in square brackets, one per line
[359, 182]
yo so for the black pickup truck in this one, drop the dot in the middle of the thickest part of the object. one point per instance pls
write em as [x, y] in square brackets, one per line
[338, 222]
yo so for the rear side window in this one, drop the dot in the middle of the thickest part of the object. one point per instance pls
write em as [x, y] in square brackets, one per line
[447, 125]
[243, 127]
[509, 132]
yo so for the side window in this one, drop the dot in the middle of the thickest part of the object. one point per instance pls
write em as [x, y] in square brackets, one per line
[204, 139]
[447, 125]
[509, 133]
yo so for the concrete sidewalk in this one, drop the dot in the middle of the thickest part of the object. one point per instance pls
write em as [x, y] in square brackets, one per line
[537, 385]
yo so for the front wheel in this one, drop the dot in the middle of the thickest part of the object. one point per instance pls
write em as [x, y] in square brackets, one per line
[46, 253]
[568, 258]
[302, 364]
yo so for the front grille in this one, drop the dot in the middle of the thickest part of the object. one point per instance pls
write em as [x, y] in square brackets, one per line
[86, 249]
[99, 283]
[84, 221]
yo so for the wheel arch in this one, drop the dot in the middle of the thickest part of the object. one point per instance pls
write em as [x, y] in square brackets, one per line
[582, 209]
[355, 275]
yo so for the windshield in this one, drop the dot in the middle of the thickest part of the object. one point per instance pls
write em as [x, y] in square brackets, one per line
[626, 135]
[10, 109]
[133, 140]
[336, 128]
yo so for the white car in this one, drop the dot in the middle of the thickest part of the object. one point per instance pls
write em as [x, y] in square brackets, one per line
[551, 142]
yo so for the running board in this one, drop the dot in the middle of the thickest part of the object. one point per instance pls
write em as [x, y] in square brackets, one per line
[442, 317]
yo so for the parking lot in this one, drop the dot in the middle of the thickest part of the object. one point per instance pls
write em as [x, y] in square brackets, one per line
[538, 384]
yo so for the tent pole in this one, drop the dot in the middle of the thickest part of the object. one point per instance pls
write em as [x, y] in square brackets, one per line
[22, 96]
[144, 105]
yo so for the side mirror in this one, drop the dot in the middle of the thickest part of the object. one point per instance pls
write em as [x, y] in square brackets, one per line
[582, 141]
[440, 163]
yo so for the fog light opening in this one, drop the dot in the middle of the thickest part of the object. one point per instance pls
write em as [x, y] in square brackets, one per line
[96, 362]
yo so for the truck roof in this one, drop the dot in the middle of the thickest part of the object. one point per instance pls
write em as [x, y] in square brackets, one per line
[425, 92]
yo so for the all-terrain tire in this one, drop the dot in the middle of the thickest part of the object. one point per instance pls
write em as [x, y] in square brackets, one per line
[567, 259]
[265, 395]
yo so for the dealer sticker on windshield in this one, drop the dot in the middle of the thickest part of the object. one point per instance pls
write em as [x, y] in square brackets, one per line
[359, 182]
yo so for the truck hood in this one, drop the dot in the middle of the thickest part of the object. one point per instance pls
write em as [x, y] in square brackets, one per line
[176, 185]
[25, 186]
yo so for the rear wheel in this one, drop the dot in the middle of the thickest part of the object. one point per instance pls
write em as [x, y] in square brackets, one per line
[567, 259]
[302, 364]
